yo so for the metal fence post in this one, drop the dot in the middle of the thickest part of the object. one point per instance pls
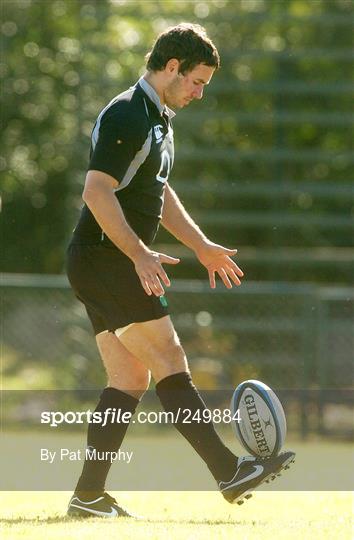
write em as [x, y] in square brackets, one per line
[308, 351]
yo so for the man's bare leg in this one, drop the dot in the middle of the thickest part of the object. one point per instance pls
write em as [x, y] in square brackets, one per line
[124, 371]
[155, 343]
[128, 379]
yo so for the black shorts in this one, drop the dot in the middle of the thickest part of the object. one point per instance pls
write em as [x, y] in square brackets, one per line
[105, 281]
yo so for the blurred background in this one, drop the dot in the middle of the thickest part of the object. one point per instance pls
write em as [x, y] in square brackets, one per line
[263, 163]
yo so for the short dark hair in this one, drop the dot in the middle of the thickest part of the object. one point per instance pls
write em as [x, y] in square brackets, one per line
[186, 42]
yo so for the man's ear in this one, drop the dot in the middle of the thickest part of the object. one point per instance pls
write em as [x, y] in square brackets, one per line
[172, 66]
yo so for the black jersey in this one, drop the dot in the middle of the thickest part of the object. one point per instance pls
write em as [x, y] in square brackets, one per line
[132, 140]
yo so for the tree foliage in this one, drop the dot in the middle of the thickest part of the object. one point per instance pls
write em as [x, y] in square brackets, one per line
[62, 61]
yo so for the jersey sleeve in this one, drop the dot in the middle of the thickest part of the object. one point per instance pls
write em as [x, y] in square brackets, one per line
[120, 136]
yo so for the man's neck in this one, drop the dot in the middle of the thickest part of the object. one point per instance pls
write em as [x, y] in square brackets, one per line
[153, 80]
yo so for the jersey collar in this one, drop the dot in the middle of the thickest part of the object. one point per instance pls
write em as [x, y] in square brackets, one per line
[153, 95]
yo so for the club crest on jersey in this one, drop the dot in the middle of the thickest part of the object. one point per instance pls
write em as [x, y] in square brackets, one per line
[158, 133]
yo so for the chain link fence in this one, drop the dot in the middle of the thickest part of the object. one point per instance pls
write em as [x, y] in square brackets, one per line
[298, 338]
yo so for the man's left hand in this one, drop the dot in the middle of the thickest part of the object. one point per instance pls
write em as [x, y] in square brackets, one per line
[217, 258]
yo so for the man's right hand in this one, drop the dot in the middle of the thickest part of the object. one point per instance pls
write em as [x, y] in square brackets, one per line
[148, 266]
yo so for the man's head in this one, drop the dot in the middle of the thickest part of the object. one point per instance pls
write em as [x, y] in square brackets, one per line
[182, 60]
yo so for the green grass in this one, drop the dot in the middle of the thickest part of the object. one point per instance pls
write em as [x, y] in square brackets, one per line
[183, 515]
[204, 515]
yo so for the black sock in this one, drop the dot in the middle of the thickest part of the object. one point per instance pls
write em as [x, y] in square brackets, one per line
[104, 438]
[178, 391]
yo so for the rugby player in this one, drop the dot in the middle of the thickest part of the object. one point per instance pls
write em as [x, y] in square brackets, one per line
[121, 280]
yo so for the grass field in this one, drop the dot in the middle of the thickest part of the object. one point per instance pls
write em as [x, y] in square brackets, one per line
[191, 515]
[270, 515]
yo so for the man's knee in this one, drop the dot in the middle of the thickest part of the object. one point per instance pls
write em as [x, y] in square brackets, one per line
[170, 358]
[124, 371]
[134, 383]
[172, 346]
[157, 345]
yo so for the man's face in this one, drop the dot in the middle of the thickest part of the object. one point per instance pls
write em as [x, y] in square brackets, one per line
[182, 89]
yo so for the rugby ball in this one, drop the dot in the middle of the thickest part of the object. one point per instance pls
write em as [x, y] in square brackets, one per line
[260, 422]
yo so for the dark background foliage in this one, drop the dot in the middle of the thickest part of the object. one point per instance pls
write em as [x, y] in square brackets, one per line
[264, 162]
